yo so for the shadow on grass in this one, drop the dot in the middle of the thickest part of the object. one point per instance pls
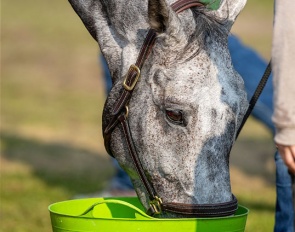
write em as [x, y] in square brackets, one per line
[62, 165]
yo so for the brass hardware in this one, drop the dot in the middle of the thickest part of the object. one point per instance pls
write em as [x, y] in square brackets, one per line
[156, 205]
[131, 87]
[126, 111]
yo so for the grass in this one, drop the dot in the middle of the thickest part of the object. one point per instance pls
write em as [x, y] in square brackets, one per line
[52, 96]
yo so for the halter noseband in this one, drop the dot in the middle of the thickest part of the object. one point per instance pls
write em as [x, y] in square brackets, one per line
[120, 116]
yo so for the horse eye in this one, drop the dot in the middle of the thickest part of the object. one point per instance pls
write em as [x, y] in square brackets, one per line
[175, 116]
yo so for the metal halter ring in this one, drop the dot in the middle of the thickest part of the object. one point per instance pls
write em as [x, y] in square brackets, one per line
[126, 111]
[156, 205]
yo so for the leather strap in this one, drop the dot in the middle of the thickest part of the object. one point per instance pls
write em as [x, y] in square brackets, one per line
[131, 148]
[255, 96]
[132, 73]
[203, 210]
[182, 5]
[120, 116]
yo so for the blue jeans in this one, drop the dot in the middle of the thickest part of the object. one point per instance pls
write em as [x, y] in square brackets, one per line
[284, 207]
[251, 67]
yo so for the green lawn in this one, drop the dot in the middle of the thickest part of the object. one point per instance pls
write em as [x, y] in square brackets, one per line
[52, 96]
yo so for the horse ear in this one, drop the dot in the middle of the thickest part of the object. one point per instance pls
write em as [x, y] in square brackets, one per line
[161, 17]
[82, 8]
[229, 10]
[93, 16]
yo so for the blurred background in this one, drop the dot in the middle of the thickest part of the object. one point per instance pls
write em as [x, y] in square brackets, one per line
[52, 95]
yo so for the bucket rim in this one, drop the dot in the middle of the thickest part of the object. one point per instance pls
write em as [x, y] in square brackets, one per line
[148, 217]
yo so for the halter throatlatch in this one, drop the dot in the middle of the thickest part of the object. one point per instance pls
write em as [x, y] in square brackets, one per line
[119, 115]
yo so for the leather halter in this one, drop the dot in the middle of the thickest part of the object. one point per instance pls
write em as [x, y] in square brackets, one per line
[119, 115]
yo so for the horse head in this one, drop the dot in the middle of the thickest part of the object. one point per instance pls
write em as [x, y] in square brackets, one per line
[187, 104]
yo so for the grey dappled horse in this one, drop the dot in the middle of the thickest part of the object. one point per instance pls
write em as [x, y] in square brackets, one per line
[187, 103]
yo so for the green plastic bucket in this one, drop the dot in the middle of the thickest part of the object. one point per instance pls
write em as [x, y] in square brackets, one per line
[127, 215]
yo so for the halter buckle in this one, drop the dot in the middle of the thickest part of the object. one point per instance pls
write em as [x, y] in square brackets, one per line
[130, 87]
[156, 205]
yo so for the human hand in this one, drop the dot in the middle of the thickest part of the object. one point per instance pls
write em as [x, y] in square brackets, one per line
[288, 155]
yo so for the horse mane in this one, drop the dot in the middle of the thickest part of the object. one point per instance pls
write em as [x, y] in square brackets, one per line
[208, 26]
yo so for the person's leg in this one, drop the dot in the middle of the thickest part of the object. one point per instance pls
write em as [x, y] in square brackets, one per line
[251, 67]
[284, 208]
[293, 193]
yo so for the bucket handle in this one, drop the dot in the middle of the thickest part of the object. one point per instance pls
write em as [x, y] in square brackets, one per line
[118, 202]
